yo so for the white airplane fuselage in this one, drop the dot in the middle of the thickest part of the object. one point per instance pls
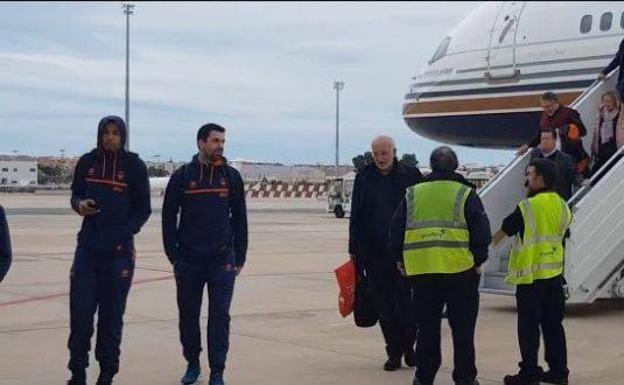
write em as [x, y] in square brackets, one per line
[483, 85]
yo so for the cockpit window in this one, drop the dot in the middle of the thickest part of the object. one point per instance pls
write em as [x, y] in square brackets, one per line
[441, 51]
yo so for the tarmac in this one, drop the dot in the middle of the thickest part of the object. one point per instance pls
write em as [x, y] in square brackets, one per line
[286, 328]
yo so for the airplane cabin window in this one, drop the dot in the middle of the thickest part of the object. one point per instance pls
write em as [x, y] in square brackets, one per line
[586, 23]
[605, 21]
[441, 51]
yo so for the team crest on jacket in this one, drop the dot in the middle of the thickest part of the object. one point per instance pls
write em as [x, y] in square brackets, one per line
[192, 185]
[121, 175]
[91, 171]
[223, 182]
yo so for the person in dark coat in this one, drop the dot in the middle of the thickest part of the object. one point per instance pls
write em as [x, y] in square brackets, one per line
[5, 245]
[566, 175]
[617, 61]
[111, 191]
[204, 225]
[377, 191]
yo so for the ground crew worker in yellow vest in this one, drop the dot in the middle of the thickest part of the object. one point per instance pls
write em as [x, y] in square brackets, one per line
[440, 236]
[539, 224]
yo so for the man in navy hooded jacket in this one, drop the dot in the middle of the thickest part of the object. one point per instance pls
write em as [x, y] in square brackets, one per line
[111, 191]
[206, 247]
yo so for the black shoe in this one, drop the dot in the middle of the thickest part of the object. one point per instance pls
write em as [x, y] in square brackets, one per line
[410, 358]
[392, 364]
[78, 378]
[104, 379]
[553, 378]
[518, 379]
[416, 382]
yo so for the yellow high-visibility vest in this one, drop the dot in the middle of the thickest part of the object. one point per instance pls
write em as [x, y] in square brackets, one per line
[539, 253]
[436, 233]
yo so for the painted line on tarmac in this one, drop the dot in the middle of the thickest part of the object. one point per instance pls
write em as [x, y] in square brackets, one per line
[60, 295]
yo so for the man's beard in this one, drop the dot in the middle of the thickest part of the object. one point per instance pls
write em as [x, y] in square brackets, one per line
[110, 147]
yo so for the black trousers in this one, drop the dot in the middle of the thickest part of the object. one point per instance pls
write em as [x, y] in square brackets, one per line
[460, 293]
[605, 152]
[541, 304]
[392, 295]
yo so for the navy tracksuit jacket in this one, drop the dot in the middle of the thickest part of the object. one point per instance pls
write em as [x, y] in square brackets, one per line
[206, 245]
[103, 266]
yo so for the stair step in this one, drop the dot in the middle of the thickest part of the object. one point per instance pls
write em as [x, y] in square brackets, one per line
[497, 291]
[495, 280]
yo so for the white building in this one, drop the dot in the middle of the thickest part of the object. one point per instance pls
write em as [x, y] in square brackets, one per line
[17, 173]
[170, 167]
[256, 172]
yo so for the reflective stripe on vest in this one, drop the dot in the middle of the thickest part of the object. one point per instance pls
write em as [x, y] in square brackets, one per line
[539, 253]
[436, 234]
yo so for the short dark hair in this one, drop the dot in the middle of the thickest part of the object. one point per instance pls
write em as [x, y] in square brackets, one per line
[550, 97]
[204, 131]
[548, 171]
[549, 130]
[443, 159]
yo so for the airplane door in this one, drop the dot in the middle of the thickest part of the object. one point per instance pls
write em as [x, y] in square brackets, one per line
[501, 55]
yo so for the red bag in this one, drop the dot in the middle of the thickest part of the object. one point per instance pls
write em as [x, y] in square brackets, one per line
[346, 277]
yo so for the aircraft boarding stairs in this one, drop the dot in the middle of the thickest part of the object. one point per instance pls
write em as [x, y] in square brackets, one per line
[594, 255]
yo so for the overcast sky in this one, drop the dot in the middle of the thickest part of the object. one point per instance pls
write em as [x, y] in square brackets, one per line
[264, 71]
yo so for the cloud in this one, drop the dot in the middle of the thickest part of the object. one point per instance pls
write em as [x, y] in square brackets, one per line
[264, 70]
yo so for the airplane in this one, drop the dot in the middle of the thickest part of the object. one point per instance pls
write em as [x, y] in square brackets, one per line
[482, 86]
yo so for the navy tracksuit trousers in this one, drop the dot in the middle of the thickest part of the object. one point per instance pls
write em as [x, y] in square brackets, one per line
[191, 278]
[98, 283]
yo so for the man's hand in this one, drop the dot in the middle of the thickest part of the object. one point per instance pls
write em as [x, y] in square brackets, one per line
[401, 268]
[87, 207]
[522, 150]
[478, 270]
[497, 238]
[601, 77]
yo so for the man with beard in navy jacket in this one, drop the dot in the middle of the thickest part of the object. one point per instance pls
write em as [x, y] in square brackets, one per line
[111, 191]
[207, 246]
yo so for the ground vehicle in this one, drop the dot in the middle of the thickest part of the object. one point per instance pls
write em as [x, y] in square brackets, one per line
[339, 194]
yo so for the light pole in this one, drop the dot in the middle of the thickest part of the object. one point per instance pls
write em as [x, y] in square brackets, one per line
[128, 10]
[62, 154]
[338, 86]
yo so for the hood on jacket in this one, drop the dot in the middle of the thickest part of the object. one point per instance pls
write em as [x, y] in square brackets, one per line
[117, 121]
